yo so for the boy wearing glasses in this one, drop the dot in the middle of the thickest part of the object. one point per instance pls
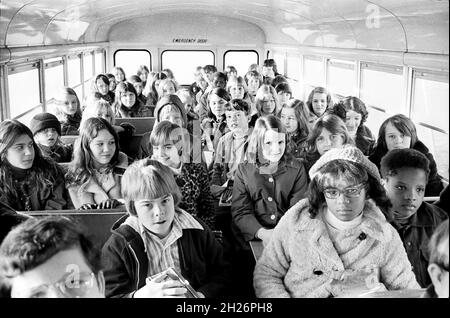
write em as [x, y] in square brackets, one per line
[405, 175]
[49, 258]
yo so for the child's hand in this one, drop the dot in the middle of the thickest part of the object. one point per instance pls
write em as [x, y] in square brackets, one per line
[161, 288]
[88, 206]
[108, 204]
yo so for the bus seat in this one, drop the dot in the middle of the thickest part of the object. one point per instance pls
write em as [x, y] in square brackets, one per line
[96, 223]
[142, 124]
[131, 147]
[69, 139]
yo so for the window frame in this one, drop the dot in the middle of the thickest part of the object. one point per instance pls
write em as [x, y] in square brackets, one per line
[134, 50]
[234, 50]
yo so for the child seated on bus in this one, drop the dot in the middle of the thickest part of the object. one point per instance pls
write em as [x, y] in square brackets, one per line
[237, 88]
[336, 242]
[265, 186]
[266, 102]
[112, 82]
[192, 117]
[294, 116]
[28, 181]
[158, 234]
[127, 104]
[232, 146]
[50, 257]
[319, 101]
[169, 148]
[46, 130]
[353, 111]
[119, 74]
[219, 80]
[328, 132]
[93, 178]
[199, 86]
[399, 132]
[143, 72]
[438, 264]
[254, 81]
[101, 89]
[151, 89]
[215, 125]
[269, 70]
[405, 173]
[101, 108]
[139, 87]
[68, 111]
[284, 93]
[166, 87]
[231, 71]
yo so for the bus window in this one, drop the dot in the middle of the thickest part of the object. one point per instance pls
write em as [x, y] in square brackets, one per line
[23, 89]
[341, 77]
[130, 60]
[241, 60]
[279, 59]
[87, 66]
[73, 71]
[294, 74]
[183, 63]
[54, 77]
[99, 57]
[313, 74]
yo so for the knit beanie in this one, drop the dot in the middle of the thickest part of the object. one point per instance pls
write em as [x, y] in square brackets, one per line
[43, 121]
[349, 153]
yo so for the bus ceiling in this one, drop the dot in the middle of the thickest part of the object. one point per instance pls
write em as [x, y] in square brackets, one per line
[419, 26]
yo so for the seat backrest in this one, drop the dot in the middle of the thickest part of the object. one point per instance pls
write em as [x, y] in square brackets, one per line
[142, 124]
[96, 223]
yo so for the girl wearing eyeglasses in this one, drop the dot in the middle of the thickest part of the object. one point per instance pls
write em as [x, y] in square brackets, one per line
[336, 242]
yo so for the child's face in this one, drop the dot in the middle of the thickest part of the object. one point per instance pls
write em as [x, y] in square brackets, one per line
[406, 191]
[395, 139]
[105, 115]
[46, 137]
[138, 86]
[112, 84]
[283, 97]
[202, 83]
[319, 103]
[128, 99]
[326, 141]
[268, 104]
[69, 105]
[144, 75]
[156, 215]
[237, 120]
[289, 120]
[187, 101]
[172, 115]
[273, 145]
[168, 89]
[345, 207]
[102, 87]
[217, 105]
[119, 75]
[268, 71]
[103, 147]
[352, 121]
[237, 91]
[253, 85]
[21, 153]
[219, 82]
[167, 154]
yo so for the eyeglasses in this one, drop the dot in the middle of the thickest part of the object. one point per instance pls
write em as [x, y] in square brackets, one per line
[74, 286]
[350, 192]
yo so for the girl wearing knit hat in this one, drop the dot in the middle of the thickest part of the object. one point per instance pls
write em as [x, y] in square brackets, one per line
[28, 181]
[47, 131]
[337, 242]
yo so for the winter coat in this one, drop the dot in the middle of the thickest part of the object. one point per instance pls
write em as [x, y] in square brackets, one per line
[260, 200]
[59, 152]
[296, 145]
[126, 261]
[434, 185]
[137, 110]
[70, 124]
[9, 219]
[415, 236]
[364, 140]
[300, 259]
